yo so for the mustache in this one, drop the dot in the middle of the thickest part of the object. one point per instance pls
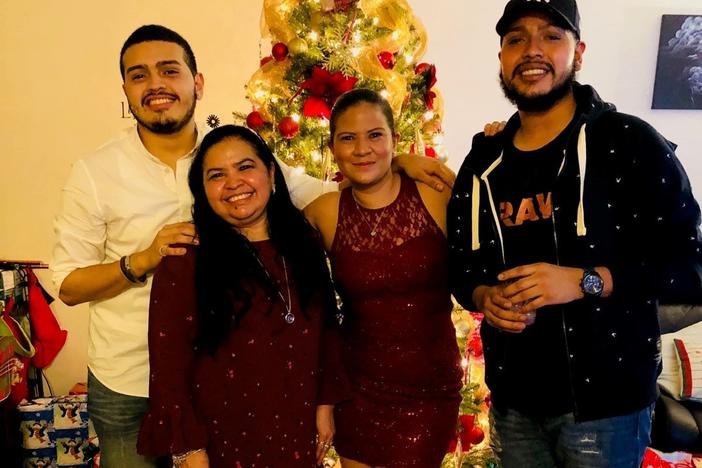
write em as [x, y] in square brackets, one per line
[525, 65]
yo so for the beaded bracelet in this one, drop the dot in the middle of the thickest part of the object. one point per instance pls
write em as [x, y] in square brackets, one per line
[127, 271]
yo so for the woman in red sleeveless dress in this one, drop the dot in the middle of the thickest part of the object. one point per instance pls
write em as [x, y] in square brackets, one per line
[386, 239]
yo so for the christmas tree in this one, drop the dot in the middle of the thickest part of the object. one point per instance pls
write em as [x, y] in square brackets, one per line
[322, 48]
[318, 50]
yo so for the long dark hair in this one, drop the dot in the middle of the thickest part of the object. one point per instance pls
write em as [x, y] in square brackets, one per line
[224, 298]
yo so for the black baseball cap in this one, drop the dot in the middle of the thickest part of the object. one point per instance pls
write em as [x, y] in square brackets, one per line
[564, 12]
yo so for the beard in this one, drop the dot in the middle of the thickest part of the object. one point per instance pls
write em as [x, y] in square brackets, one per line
[164, 125]
[542, 102]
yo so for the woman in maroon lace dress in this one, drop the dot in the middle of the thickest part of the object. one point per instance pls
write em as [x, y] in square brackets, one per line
[237, 324]
[386, 239]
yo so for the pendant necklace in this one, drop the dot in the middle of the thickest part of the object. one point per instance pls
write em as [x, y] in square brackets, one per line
[289, 317]
[373, 228]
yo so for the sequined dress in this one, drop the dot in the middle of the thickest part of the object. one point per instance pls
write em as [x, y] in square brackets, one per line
[399, 345]
[251, 404]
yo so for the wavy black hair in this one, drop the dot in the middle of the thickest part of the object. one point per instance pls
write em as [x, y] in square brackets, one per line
[224, 298]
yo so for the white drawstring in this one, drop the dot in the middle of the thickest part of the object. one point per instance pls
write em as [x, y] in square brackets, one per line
[475, 214]
[582, 162]
[476, 206]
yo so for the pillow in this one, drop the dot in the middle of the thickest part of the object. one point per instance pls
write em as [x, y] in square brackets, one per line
[690, 359]
[671, 378]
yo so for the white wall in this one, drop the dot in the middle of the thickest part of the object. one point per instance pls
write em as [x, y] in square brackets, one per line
[620, 61]
[61, 92]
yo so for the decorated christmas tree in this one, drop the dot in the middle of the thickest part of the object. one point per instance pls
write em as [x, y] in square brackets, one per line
[322, 48]
[318, 50]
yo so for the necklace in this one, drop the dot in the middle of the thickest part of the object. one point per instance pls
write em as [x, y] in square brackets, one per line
[373, 228]
[289, 317]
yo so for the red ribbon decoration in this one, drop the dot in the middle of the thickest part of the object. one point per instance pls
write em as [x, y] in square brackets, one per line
[324, 88]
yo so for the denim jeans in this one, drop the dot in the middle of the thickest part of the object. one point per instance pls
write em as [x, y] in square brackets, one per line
[116, 418]
[525, 442]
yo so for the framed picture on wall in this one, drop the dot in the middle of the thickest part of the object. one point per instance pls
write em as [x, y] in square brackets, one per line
[678, 82]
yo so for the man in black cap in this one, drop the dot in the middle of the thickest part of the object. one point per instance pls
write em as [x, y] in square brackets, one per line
[566, 230]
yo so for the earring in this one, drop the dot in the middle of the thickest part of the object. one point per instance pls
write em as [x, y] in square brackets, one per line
[273, 188]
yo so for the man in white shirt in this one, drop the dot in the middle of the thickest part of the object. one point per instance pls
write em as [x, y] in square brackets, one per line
[124, 207]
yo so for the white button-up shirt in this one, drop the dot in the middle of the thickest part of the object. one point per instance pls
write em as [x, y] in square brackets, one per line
[114, 203]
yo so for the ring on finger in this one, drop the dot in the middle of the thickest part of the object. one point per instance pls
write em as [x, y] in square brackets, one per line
[162, 250]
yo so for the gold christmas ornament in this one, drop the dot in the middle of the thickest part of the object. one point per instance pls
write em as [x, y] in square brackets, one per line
[297, 46]
[268, 82]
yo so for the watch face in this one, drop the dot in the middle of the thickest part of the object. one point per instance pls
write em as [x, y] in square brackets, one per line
[592, 284]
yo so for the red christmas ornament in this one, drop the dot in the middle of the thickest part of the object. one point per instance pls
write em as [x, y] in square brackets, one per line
[463, 429]
[254, 120]
[387, 60]
[476, 435]
[280, 51]
[266, 59]
[288, 127]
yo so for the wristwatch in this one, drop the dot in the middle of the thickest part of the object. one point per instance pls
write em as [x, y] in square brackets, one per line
[592, 283]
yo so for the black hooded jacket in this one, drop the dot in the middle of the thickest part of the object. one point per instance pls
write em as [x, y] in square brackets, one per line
[621, 200]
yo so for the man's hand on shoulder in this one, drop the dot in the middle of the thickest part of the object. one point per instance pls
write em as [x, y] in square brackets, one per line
[427, 170]
[147, 260]
[493, 128]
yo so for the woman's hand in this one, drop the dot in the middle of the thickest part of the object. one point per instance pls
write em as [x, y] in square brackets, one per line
[325, 430]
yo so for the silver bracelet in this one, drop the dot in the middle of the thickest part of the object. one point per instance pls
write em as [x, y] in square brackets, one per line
[179, 459]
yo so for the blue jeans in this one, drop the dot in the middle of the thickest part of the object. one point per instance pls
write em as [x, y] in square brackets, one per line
[116, 418]
[522, 442]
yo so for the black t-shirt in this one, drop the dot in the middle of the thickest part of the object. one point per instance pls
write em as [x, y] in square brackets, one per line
[522, 188]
